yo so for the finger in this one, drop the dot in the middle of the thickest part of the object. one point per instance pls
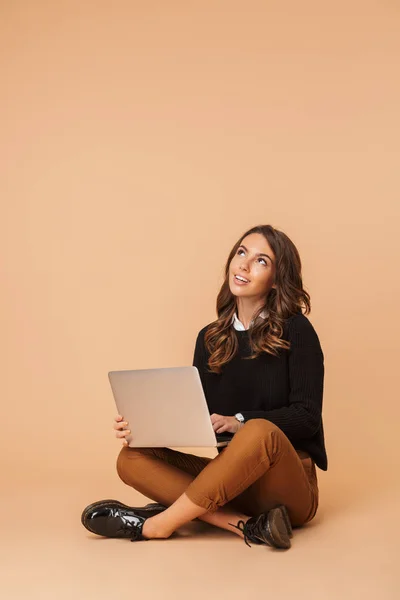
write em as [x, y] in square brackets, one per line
[120, 425]
[223, 428]
[125, 443]
[119, 418]
[218, 424]
[214, 417]
[121, 434]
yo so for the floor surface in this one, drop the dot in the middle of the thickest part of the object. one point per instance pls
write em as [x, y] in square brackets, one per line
[349, 551]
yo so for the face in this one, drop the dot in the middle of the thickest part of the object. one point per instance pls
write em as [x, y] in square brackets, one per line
[255, 261]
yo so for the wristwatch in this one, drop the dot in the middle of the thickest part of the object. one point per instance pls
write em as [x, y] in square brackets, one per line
[240, 417]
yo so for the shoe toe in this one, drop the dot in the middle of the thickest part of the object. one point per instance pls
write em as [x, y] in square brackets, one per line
[97, 520]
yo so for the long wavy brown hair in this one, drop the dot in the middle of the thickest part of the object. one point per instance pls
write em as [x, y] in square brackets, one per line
[265, 334]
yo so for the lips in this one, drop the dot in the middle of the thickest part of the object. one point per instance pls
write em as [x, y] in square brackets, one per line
[237, 275]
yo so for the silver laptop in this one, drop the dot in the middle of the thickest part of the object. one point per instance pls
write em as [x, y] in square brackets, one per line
[165, 407]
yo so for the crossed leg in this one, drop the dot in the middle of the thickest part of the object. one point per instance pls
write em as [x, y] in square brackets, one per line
[257, 471]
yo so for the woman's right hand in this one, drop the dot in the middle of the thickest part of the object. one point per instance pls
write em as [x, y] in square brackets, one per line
[122, 429]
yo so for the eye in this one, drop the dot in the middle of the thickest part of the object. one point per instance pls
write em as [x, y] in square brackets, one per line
[259, 258]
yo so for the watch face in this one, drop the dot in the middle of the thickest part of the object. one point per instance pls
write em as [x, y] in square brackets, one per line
[239, 417]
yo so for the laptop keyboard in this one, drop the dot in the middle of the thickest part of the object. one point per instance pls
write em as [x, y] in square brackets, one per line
[224, 437]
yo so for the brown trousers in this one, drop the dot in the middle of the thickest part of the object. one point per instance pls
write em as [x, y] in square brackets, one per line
[257, 471]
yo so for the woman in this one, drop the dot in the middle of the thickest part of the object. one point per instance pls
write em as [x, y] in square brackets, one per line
[262, 370]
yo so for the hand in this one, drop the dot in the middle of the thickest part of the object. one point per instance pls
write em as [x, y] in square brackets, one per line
[221, 423]
[121, 432]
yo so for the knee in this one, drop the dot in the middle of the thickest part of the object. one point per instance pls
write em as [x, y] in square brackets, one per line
[261, 427]
[262, 431]
[126, 463]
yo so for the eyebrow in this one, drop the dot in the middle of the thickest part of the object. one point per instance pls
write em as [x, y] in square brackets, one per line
[259, 254]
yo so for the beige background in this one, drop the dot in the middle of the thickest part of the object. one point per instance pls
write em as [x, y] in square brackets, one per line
[138, 141]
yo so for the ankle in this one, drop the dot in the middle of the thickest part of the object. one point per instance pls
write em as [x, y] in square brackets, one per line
[151, 531]
[238, 524]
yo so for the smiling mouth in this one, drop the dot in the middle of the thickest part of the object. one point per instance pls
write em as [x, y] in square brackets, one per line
[240, 280]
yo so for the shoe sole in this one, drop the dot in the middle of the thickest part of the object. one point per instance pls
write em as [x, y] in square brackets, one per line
[287, 520]
[153, 509]
[277, 531]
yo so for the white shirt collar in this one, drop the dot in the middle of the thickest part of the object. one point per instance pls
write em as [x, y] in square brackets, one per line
[239, 325]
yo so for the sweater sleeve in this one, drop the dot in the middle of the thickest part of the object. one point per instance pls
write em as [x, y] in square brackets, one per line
[301, 418]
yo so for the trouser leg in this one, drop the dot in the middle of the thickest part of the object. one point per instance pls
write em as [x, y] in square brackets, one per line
[258, 470]
[161, 474]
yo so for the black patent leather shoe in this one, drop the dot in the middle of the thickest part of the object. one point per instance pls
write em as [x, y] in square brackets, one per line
[272, 528]
[111, 518]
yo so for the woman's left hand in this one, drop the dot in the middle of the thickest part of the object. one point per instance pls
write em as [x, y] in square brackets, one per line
[221, 423]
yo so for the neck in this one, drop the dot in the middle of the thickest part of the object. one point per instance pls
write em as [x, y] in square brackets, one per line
[246, 311]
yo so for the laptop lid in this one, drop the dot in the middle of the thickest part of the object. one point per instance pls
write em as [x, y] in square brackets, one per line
[165, 407]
